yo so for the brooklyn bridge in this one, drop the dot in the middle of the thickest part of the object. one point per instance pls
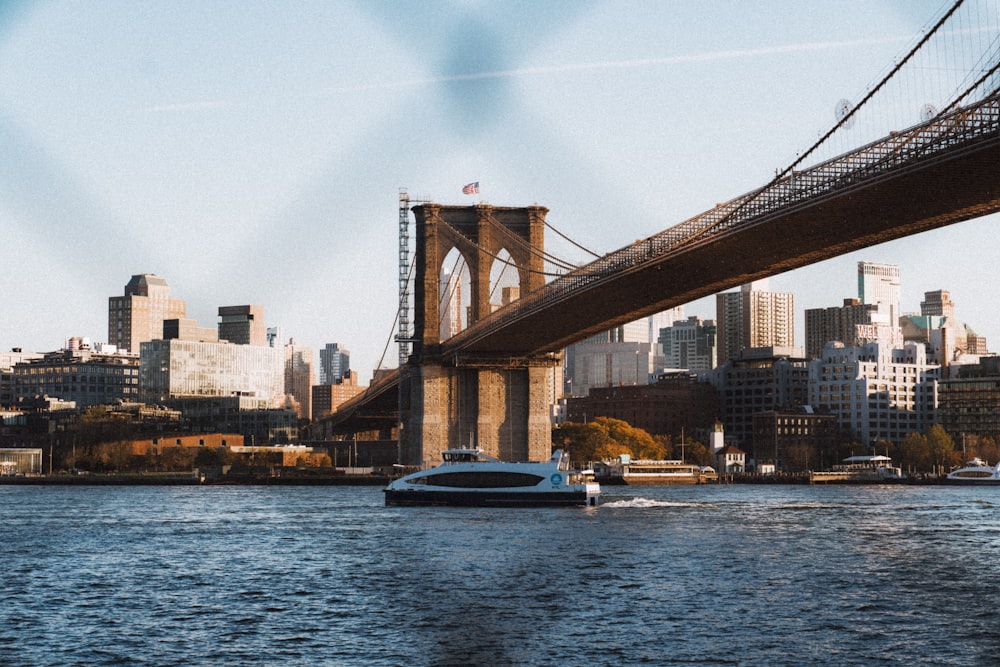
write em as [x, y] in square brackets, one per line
[489, 383]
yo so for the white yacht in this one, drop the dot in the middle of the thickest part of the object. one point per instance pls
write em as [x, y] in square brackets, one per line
[468, 477]
[976, 471]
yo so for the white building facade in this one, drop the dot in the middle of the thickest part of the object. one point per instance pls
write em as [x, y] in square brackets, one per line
[878, 391]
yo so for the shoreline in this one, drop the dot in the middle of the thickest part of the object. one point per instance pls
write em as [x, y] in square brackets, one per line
[190, 480]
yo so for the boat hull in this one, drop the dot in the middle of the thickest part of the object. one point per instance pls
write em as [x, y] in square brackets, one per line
[487, 498]
[650, 480]
[972, 481]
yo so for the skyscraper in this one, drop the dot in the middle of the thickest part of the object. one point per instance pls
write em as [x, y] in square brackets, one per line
[836, 323]
[878, 284]
[334, 364]
[243, 325]
[622, 355]
[876, 391]
[299, 377]
[690, 344]
[450, 303]
[137, 317]
[754, 317]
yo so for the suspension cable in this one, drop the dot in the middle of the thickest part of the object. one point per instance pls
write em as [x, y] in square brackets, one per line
[591, 252]
[525, 244]
[840, 123]
[498, 258]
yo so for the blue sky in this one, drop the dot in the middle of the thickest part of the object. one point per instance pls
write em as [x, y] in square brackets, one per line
[252, 152]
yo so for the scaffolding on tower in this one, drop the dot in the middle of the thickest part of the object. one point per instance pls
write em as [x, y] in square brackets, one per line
[403, 337]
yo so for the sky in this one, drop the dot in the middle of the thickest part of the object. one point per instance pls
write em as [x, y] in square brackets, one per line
[253, 152]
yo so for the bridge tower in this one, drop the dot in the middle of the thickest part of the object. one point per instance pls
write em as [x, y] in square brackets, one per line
[495, 402]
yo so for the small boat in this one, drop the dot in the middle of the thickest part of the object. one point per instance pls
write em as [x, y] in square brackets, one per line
[467, 477]
[976, 471]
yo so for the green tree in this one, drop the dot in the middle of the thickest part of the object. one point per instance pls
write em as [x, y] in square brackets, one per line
[697, 453]
[914, 453]
[177, 458]
[210, 457]
[941, 448]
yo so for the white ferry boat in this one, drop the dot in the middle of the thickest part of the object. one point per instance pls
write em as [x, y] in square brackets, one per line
[976, 471]
[860, 470]
[645, 472]
[467, 477]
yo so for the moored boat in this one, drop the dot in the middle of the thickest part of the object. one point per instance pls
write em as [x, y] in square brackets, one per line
[859, 470]
[975, 471]
[467, 477]
[642, 472]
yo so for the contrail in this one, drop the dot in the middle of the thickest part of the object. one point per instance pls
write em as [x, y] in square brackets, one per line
[551, 69]
[612, 64]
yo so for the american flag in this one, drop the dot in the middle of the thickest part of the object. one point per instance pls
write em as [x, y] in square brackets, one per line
[471, 189]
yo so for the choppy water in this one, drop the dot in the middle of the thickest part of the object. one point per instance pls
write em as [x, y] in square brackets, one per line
[723, 575]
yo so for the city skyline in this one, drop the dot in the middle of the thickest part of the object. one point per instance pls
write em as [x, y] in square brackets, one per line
[250, 157]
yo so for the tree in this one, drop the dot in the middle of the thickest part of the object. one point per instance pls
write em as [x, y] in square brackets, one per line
[697, 453]
[210, 457]
[941, 449]
[581, 440]
[914, 453]
[986, 448]
[606, 438]
[177, 458]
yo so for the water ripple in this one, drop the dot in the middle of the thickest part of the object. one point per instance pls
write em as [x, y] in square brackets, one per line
[725, 575]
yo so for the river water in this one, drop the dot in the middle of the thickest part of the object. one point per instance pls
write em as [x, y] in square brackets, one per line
[719, 575]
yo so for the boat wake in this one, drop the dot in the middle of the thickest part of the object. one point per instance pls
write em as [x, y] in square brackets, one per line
[643, 503]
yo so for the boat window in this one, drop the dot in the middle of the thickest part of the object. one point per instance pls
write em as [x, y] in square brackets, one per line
[482, 479]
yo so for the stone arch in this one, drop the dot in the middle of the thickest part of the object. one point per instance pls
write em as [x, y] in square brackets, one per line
[479, 233]
[454, 291]
[505, 273]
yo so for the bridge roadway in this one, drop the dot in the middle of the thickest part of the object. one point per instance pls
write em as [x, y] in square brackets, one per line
[923, 178]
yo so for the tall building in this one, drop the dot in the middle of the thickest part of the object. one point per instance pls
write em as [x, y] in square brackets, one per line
[949, 342]
[675, 404]
[242, 325]
[608, 365]
[299, 377]
[754, 317]
[81, 375]
[877, 391]
[622, 355]
[969, 405]
[450, 304]
[838, 323]
[938, 303]
[8, 395]
[138, 316]
[327, 397]
[185, 329]
[660, 321]
[690, 344]
[183, 368]
[878, 284]
[274, 336]
[334, 364]
[758, 380]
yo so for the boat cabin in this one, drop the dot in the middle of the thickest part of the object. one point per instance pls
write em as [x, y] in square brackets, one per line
[466, 456]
